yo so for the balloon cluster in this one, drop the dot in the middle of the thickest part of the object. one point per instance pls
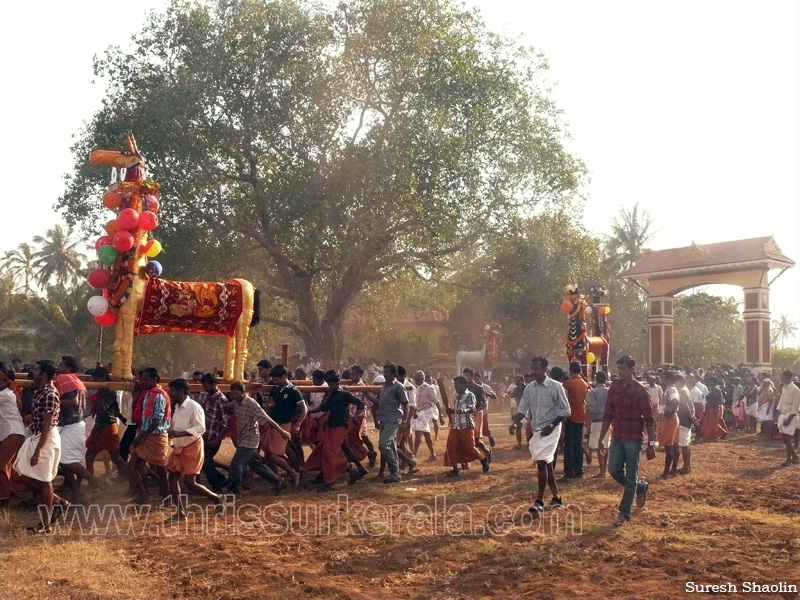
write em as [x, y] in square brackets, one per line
[121, 236]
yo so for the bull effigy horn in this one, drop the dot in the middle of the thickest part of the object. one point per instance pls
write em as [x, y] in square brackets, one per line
[118, 160]
[113, 158]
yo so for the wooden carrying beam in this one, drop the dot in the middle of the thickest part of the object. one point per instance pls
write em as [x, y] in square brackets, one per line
[225, 387]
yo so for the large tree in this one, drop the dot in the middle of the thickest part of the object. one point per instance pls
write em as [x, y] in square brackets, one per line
[708, 330]
[321, 150]
[519, 282]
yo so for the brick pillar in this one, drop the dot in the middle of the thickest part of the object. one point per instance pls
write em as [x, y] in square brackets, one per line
[660, 325]
[756, 327]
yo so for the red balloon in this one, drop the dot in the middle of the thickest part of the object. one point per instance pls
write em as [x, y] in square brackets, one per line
[566, 306]
[99, 278]
[128, 218]
[104, 240]
[123, 241]
[108, 319]
[148, 220]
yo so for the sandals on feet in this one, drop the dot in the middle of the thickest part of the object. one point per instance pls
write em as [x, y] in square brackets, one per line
[537, 507]
[40, 529]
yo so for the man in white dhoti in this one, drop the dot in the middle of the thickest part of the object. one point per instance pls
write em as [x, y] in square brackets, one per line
[37, 459]
[547, 404]
[788, 406]
[72, 427]
[426, 410]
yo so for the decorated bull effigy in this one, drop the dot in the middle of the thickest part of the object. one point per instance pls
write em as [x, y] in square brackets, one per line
[485, 358]
[134, 299]
[588, 336]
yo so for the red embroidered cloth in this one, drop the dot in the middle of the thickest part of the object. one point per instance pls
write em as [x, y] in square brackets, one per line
[190, 307]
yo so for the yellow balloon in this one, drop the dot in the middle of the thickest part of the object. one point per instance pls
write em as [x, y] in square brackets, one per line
[590, 358]
[608, 309]
[155, 249]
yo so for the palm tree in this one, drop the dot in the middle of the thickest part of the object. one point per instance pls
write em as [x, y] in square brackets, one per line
[782, 330]
[13, 337]
[630, 234]
[20, 263]
[58, 257]
[63, 325]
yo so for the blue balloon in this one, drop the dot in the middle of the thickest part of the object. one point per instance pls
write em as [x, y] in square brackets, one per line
[153, 268]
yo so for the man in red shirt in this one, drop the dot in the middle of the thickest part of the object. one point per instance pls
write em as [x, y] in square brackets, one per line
[629, 408]
[576, 389]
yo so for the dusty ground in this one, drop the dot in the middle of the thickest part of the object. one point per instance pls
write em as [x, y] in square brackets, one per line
[734, 519]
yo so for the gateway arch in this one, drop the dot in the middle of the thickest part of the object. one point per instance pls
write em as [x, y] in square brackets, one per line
[745, 263]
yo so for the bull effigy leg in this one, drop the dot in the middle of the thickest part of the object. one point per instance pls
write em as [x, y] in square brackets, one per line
[230, 356]
[243, 328]
[125, 329]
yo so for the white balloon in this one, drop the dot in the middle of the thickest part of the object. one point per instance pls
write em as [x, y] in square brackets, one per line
[588, 310]
[97, 305]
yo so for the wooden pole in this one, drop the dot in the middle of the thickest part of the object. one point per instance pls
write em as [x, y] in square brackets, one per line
[285, 355]
[225, 387]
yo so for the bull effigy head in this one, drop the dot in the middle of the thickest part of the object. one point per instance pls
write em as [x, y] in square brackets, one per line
[125, 159]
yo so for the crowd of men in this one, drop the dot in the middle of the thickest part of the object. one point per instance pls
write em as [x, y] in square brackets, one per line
[57, 426]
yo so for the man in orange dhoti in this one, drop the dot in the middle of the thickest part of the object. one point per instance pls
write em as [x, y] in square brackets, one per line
[668, 428]
[105, 432]
[357, 375]
[289, 412]
[461, 437]
[331, 454]
[151, 445]
[712, 428]
[186, 438]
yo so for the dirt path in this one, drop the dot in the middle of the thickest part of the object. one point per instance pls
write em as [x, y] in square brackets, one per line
[734, 519]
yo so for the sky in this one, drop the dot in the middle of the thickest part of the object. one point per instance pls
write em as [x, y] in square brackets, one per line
[688, 107]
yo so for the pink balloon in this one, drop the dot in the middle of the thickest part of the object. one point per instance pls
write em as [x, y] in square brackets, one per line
[152, 203]
[128, 218]
[107, 319]
[123, 241]
[104, 240]
[99, 278]
[148, 220]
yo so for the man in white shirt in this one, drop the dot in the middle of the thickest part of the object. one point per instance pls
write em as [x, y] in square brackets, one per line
[438, 418]
[12, 431]
[788, 407]
[186, 457]
[426, 409]
[312, 427]
[699, 401]
[656, 394]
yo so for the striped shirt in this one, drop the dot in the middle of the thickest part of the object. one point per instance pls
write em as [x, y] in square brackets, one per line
[250, 419]
[216, 418]
[466, 404]
[546, 402]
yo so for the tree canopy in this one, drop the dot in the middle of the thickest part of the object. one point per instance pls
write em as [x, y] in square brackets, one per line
[319, 150]
[708, 330]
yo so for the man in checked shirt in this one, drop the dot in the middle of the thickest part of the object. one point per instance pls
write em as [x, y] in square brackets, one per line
[629, 408]
[217, 420]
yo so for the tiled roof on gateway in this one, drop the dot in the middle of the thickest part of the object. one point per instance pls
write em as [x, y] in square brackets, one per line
[758, 251]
